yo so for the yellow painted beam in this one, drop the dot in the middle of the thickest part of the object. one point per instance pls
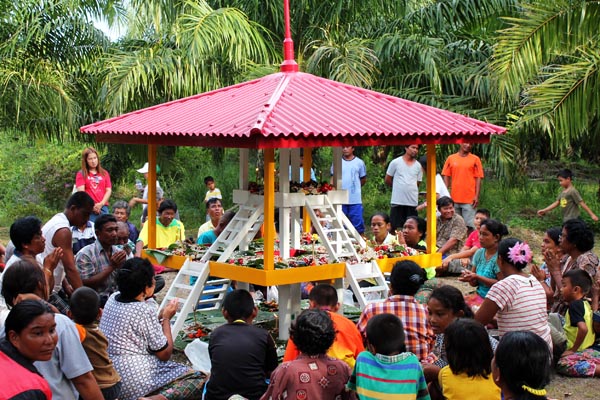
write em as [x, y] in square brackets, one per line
[306, 165]
[151, 196]
[277, 276]
[431, 203]
[424, 260]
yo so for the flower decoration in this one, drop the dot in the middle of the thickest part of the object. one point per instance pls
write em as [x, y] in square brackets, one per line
[520, 253]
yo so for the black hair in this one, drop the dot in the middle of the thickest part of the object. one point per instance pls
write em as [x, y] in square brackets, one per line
[239, 304]
[484, 211]
[386, 334]
[167, 204]
[524, 359]
[122, 204]
[134, 277]
[444, 201]
[421, 224]
[102, 220]
[495, 227]
[579, 234]
[565, 174]
[22, 277]
[554, 234]
[208, 179]
[23, 230]
[468, 348]
[313, 332]
[211, 201]
[386, 218]
[80, 200]
[23, 313]
[407, 278]
[503, 248]
[85, 305]
[227, 217]
[452, 299]
[324, 295]
[581, 278]
[423, 162]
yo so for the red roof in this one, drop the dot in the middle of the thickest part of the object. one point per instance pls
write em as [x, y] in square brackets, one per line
[291, 109]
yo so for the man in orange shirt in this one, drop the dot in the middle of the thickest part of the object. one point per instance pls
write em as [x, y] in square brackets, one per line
[462, 175]
[348, 341]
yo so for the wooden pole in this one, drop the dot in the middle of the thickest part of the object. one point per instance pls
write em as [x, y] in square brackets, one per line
[151, 196]
[269, 204]
[431, 201]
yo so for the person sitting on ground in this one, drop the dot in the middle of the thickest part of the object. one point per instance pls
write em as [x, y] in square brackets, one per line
[85, 312]
[82, 236]
[413, 236]
[312, 374]
[214, 212]
[348, 341]
[579, 359]
[550, 250]
[242, 355]
[577, 243]
[485, 271]
[468, 374]
[445, 306]
[68, 372]
[26, 235]
[405, 280]
[30, 336]
[455, 263]
[98, 261]
[387, 369]
[517, 300]
[122, 211]
[168, 229]
[140, 342]
[211, 236]
[521, 366]
[451, 228]
[58, 233]
[380, 227]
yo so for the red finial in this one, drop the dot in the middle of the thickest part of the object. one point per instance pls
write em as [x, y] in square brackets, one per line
[288, 64]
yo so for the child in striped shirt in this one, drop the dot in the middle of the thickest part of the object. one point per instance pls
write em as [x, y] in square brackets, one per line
[387, 369]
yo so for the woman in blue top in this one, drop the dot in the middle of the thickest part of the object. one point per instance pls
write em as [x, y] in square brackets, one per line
[484, 271]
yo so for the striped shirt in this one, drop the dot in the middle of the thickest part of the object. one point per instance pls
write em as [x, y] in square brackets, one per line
[522, 303]
[377, 376]
[419, 335]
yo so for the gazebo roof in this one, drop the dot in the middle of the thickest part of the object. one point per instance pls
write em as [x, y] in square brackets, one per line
[289, 110]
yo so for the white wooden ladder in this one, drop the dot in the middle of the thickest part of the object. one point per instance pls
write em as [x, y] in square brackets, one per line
[367, 271]
[206, 292]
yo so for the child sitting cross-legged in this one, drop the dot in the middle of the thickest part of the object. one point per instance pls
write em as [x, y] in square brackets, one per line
[242, 355]
[387, 370]
[86, 311]
[348, 342]
[468, 374]
[313, 374]
[579, 359]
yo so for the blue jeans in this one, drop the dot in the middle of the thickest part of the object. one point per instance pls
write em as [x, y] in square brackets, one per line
[354, 212]
[103, 210]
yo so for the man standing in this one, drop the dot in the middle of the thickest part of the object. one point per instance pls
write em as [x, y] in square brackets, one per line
[58, 233]
[96, 262]
[354, 176]
[403, 175]
[462, 174]
[144, 199]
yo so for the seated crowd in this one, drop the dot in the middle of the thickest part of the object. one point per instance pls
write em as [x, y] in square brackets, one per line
[79, 319]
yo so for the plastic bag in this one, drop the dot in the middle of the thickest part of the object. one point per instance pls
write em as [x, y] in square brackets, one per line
[197, 353]
[273, 294]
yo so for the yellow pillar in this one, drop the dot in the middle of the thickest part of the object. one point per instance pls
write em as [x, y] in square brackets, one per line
[431, 200]
[306, 165]
[151, 196]
[269, 212]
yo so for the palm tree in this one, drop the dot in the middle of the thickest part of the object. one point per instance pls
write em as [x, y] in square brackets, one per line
[546, 67]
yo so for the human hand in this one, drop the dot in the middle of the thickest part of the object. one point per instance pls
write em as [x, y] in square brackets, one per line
[567, 353]
[538, 273]
[97, 208]
[465, 262]
[133, 202]
[552, 260]
[594, 218]
[446, 261]
[52, 259]
[400, 237]
[475, 202]
[169, 310]
[541, 213]
[118, 259]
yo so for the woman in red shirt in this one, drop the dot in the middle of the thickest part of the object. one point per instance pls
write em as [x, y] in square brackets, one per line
[95, 181]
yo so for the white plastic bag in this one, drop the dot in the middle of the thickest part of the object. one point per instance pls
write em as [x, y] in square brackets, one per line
[197, 353]
[349, 297]
[273, 294]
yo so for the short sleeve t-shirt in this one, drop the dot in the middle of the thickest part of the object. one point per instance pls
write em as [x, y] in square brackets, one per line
[213, 194]
[352, 172]
[463, 172]
[579, 311]
[569, 200]
[486, 268]
[461, 386]
[95, 184]
[473, 240]
[405, 189]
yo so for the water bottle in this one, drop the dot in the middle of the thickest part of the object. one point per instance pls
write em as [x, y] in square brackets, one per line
[138, 185]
